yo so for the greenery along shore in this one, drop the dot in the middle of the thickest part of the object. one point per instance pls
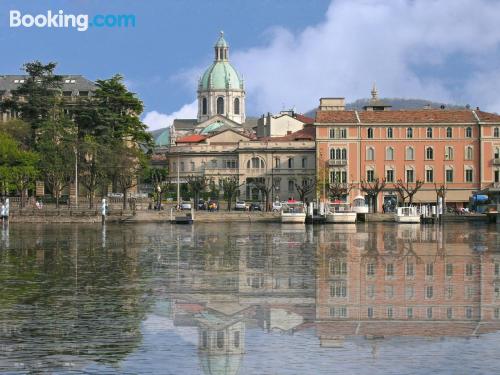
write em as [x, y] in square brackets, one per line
[101, 136]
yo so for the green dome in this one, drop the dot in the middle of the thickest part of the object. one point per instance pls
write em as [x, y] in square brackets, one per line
[163, 139]
[212, 127]
[221, 76]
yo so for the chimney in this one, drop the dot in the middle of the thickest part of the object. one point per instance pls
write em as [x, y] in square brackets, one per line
[332, 104]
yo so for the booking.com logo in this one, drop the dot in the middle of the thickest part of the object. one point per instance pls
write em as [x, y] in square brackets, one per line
[80, 22]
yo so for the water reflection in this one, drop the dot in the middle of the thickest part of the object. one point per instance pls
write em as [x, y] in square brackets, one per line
[219, 300]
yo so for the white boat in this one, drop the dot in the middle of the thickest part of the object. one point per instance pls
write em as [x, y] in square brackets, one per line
[293, 212]
[340, 213]
[407, 214]
[359, 205]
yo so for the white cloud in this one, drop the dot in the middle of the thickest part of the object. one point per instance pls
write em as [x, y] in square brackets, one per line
[404, 46]
[156, 120]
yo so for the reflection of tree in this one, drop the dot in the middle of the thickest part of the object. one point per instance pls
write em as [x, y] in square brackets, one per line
[70, 298]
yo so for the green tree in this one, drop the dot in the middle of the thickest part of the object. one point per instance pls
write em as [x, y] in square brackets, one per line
[56, 145]
[196, 185]
[230, 187]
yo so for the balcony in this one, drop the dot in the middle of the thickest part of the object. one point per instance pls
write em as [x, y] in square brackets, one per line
[496, 161]
[333, 162]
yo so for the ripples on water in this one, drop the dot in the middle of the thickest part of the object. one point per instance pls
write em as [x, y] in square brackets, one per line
[250, 299]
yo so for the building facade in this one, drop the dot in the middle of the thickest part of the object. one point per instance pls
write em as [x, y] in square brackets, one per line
[458, 149]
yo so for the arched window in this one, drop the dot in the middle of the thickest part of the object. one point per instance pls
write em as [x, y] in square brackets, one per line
[468, 132]
[344, 154]
[409, 132]
[389, 133]
[448, 155]
[496, 155]
[429, 153]
[410, 153]
[496, 132]
[370, 132]
[220, 339]
[429, 132]
[389, 153]
[449, 133]
[204, 106]
[370, 153]
[338, 153]
[290, 163]
[332, 153]
[255, 163]
[237, 106]
[220, 105]
[469, 153]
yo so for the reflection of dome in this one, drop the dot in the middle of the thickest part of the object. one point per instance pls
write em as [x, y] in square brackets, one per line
[221, 364]
[220, 76]
[163, 139]
[212, 127]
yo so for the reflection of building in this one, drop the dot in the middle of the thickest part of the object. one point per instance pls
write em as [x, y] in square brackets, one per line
[388, 284]
[459, 148]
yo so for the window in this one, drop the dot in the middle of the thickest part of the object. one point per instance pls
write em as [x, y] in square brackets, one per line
[468, 132]
[389, 175]
[204, 106]
[343, 133]
[277, 163]
[338, 312]
[389, 153]
[468, 312]
[429, 313]
[449, 292]
[389, 133]
[370, 132]
[429, 292]
[370, 291]
[429, 175]
[429, 269]
[237, 106]
[389, 312]
[410, 153]
[449, 313]
[468, 175]
[338, 154]
[469, 269]
[410, 175]
[182, 166]
[497, 269]
[389, 291]
[449, 133]
[237, 339]
[429, 153]
[304, 162]
[410, 292]
[332, 133]
[496, 313]
[370, 153]
[449, 269]
[497, 175]
[229, 164]
[409, 312]
[449, 175]
[389, 270]
[370, 175]
[290, 163]
[410, 269]
[204, 339]
[338, 176]
[370, 312]
[409, 132]
[214, 163]
[255, 163]
[429, 132]
[469, 153]
[370, 269]
[497, 153]
[338, 289]
[192, 166]
[338, 268]
[220, 105]
[496, 132]
[291, 186]
[220, 339]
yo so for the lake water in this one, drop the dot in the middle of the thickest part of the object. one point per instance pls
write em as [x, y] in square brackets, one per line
[250, 299]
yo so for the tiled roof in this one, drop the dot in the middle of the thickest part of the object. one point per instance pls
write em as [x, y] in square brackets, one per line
[424, 116]
[193, 138]
[304, 119]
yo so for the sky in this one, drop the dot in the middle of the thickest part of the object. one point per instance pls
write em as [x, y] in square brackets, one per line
[289, 52]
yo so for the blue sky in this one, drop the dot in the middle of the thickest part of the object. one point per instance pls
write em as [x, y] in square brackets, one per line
[290, 52]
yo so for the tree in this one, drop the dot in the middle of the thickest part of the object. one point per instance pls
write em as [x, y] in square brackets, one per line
[158, 178]
[407, 190]
[230, 187]
[55, 143]
[265, 190]
[40, 94]
[307, 187]
[338, 190]
[196, 185]
[18, 167]
[372, 189]
[92, 159]
[440, 193]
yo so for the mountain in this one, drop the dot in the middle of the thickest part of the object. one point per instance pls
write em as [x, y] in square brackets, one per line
[397, 103]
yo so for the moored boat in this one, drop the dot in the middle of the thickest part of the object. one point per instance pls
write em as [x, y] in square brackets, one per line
[340, 212]
[407, 214]
[359, 205]
[293, 212]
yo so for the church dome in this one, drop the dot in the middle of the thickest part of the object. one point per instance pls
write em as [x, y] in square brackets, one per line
[163, 139]
[221, 75]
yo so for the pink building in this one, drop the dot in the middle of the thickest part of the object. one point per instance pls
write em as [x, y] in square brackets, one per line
[455, 148]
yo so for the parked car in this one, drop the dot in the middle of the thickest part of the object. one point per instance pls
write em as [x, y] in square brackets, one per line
[254, 206]
[201, 205]
[240, 206]
[277, 206]
[186, 206]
